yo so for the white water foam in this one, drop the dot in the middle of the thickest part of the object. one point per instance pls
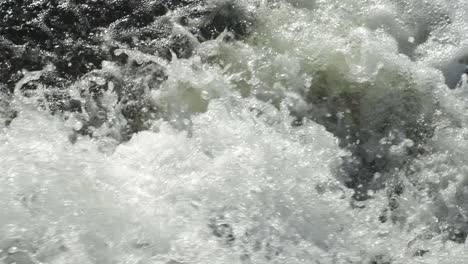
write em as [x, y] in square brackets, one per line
[223, 176]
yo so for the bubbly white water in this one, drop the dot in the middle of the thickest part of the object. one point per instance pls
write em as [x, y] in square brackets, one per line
[224, 177]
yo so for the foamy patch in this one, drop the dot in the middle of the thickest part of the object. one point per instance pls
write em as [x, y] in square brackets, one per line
[223, 177]
[168, 195]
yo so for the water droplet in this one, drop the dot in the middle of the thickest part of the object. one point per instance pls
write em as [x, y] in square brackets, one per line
[12, 250]
[205, 95]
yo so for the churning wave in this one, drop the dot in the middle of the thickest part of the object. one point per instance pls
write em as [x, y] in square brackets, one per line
[233, 131]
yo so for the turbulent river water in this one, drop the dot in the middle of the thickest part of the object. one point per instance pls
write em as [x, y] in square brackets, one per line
[326, 131]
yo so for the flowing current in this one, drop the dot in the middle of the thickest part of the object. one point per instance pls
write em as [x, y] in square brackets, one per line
[303, 131]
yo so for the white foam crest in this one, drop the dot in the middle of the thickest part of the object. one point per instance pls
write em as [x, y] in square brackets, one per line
[223, 176]
[158, 194]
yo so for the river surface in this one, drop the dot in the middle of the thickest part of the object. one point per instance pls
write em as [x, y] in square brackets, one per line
[332, 132]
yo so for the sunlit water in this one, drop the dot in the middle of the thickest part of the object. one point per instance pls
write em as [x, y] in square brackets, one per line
[248, 158]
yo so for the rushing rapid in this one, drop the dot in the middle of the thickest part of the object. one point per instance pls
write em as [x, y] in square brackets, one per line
[234, 131]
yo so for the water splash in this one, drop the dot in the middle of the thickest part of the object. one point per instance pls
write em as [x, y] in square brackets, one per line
[292, 132]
